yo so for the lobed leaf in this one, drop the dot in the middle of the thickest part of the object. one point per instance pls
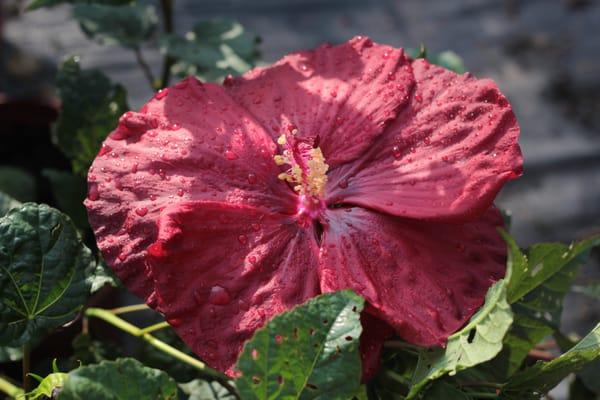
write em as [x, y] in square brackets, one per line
[540, 279]
[310, 352]
[17, 183]
[213, 49]
[125, 378]
[44, 268]
[91, 107]
[479, 341]
[127, 26]
[543, 376]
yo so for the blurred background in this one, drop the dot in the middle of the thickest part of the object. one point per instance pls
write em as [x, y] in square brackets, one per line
[544, 55]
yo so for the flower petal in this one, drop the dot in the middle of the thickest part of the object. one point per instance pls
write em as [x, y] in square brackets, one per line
[344, 95]
[424, 279]
[446, 156]
[189, 142]
[375, 333]
[222, 271]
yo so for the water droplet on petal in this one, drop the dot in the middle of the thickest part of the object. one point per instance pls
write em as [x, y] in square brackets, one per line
[93, 193]
[252, 178]
[243, 239]
[161, 94]
[141, 211]
[180, 192]
[219, 296]
[230, 155]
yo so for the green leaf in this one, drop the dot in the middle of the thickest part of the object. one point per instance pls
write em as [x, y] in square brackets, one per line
[10, 354]
[126, 26]
[125, 378]
[50, 385]
[43, 273]
[35, 4]
[543, 376]
[213, 49]
[540, 279]
[17, 183]
[7, 203]
[479, 341]
[592, 290]
[540, 262]
[91, 107]
[203, 390]
[447, 59]
[309, 352]
[102, 276]
[89, 351]
[69, 191]
[441, 390]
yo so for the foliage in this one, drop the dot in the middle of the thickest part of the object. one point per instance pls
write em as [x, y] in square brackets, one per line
[309, 352]
[44, 268]
[48, 274]
[125, 378]
[212, 50]
[128, 26]
[91, 107]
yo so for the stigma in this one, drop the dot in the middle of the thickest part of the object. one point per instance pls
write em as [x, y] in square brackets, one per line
[307, 169]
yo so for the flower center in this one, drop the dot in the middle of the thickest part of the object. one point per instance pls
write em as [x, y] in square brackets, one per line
[307, 171]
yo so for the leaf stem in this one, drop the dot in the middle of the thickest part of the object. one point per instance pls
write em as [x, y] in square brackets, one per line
[110, 317]
[7, 387]
[128, 309]
[144, 66]
[26, 367]
[167, 12]
[155, 327]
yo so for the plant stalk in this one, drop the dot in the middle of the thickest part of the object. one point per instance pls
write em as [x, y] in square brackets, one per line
[26, 367]
[11, 390]
[111, 317]
[144, 66]
[128, 309]
[167, 12]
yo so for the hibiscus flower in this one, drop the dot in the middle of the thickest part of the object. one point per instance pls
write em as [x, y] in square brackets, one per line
[349, 166]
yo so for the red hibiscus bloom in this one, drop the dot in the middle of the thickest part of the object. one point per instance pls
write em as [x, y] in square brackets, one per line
[349, 166]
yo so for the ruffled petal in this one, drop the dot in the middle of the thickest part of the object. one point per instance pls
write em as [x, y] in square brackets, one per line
[375, 333]
[344, 95]
[424, 279]
[446, 156]
[222, 271]
[189, 142]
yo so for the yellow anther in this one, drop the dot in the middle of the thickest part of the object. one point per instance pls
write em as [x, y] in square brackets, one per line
[279, 160]
[283, 176]
[281, 140]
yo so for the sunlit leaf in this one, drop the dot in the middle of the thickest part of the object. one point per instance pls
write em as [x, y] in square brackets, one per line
[212, 50]
[479, 341]
[126, 26]
[310, 352]
[543, 376]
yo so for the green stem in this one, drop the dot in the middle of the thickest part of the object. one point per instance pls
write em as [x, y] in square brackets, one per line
[110, 317]
[167, 11]
[128, 309]
[144, 66]
[26, 367]
[11, 390]
[155, 327]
